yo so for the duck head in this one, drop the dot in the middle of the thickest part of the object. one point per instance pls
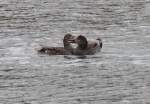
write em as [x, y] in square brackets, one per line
[81, 42]
[67, 39]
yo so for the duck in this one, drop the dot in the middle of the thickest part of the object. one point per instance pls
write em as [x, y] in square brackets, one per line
[85, 47]
[66, 50]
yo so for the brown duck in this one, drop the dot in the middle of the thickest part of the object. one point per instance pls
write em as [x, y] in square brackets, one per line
[66, 50]
[85, 47]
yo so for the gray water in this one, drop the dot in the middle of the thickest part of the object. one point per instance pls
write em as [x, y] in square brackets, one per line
[120, 74]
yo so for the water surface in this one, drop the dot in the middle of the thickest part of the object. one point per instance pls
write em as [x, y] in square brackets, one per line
[118, 75]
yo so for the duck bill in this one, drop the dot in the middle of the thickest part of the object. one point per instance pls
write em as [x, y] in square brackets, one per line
[100, 42]
[72, 39]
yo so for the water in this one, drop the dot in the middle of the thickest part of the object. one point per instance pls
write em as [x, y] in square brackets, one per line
[118, 75]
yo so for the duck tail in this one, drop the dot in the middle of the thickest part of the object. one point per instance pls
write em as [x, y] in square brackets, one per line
[37, 47]
[42, 50]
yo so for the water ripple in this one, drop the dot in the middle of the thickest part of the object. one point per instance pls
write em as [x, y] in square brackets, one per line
[118, 74]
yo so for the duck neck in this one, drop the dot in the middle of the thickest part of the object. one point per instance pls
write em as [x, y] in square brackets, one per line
[67, 46]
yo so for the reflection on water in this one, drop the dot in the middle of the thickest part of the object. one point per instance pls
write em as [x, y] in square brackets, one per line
[118, 75]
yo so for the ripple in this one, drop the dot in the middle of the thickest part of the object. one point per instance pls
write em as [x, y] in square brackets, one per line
[118, 74]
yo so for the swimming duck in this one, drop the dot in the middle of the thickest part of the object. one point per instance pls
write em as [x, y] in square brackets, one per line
[85, 47]
[66, 50]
